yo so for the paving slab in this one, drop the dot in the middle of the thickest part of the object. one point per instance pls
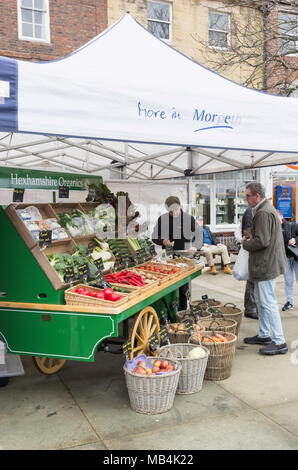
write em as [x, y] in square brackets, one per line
[248, 431]
[37, 412]
[285, 414]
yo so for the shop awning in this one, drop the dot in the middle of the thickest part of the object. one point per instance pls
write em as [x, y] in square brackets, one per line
[126, 85]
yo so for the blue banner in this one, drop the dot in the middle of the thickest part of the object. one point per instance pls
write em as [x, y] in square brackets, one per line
[8, 94]
[284, 200]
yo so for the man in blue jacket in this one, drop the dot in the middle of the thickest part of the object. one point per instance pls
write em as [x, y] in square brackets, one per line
[211, 247]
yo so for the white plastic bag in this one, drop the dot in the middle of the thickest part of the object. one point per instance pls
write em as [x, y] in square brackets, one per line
[240, 269]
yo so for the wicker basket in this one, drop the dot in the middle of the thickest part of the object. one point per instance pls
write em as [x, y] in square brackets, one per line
[152, 394]
[204, 304]
[221, 356]
[192, 371]
[219, 324]
[180, 335]
[72, 298]
[188, 315]
[231, 312]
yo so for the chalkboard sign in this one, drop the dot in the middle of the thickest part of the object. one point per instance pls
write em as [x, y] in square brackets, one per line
[91, 246]
[18, 195]
[153, 342]
[205, 297]
[126, 348]
[188, 326]
[69, 274]
[45, 238]
[99, 264]
[170, 251]
[152, 250]
[138, 258]
[164, 334]
[64, 192]
[92, 193]
[83, 270]
[125, 258]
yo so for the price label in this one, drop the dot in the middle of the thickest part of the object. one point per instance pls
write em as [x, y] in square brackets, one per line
[205, 297]
[91, 246]
[63, 192]
[153, 342]
[92, 193]
[83, 270]
[69, 274]
[188, 326]
[109, 198]
[99, 264]
[170, 251]
[164, 334]
[152, 250]
[143, 253]
[138, 257]
[45, 238]
[195, 309]
[126, 348]
[125, 259]
[18, 195]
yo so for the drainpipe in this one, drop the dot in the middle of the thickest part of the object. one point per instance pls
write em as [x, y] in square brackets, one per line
[266, 12]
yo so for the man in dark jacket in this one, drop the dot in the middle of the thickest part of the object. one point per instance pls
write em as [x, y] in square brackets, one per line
[267, 260]
[290, 234]
[180, 230]
[211, 247]
[250, 308]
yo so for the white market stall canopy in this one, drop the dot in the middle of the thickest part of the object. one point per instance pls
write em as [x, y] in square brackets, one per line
[126, 85]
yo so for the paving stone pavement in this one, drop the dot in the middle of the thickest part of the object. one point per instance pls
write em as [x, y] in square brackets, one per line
[86, 406]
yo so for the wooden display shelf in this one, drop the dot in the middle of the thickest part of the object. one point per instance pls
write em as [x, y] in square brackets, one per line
[41, 256]
[102, 310]
[46, 211]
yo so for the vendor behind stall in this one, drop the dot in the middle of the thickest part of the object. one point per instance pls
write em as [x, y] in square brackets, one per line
[180, 230]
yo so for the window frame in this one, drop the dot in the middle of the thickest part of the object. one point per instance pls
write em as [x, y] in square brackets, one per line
[21, 37]
[228, 32]
[170, 22]
[284, 12]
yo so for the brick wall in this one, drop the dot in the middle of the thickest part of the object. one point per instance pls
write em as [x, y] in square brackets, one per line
[72, 24]
[288, 70]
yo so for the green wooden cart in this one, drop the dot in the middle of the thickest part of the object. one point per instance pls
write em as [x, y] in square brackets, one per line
[35, 321]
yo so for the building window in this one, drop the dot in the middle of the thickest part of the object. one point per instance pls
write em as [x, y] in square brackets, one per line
[219, 29]
[159, 16]
[287, 33]
[34, 24]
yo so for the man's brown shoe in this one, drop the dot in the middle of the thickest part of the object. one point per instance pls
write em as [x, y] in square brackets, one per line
[227, 269]
[213, 270]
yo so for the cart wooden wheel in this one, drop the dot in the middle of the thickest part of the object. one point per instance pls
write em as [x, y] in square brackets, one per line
[48, 365]
[145, 324]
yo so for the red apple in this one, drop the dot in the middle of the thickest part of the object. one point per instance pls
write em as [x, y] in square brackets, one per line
[157, 363]
[164, 364]
[140, 370]
[155, 369]
[170, 368]
[142, 363]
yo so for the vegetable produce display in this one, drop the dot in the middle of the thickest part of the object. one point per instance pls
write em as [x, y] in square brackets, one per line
[159, 268]
[158, 368]
[125, 277]
[180, 328]
[119, 249]
[196, 353]
[34, 222]
[211, 338]
[77, 223]
[60, 261]
[105, 294]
